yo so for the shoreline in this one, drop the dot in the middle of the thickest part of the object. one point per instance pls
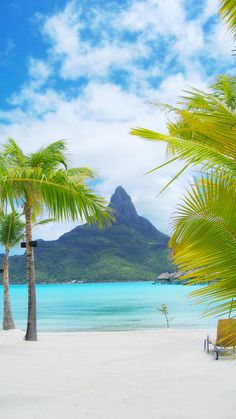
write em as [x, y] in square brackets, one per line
[98, 332]
[144, 330]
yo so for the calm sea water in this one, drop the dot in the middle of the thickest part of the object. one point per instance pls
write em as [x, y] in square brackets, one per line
[108, 306]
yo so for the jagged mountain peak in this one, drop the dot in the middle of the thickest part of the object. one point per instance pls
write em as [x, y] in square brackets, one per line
[130, 249]
[125, 213]
[120, 191]
[122, 205]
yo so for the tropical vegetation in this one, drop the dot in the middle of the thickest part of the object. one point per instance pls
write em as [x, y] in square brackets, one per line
[228, 13]
[11, 233]
[202, 134]
[42, 180]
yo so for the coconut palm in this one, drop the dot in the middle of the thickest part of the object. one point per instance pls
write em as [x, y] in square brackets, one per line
[42, 180]
[11, 232]
[204, 238]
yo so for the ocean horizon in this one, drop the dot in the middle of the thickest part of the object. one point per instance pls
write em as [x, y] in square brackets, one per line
[116, 306]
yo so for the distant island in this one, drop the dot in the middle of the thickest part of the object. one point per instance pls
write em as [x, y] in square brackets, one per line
[131, 249]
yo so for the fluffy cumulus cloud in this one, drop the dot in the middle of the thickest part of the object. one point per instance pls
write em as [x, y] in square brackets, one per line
[100, 69]
[81, 55]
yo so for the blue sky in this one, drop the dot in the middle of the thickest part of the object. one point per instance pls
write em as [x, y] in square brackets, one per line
[86, 70]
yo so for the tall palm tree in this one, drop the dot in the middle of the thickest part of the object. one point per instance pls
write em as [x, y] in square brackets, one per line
[11, 232]
[42, 180]
[204, 228]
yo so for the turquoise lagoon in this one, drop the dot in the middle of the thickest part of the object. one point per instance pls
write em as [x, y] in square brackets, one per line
[108, 307]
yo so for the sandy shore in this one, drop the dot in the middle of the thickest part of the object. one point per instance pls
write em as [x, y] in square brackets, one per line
[123, 375]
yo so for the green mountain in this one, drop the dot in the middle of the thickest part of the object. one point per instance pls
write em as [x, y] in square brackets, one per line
[131, 249]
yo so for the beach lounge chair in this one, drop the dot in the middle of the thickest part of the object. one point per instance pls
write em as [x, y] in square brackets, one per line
[225, 339]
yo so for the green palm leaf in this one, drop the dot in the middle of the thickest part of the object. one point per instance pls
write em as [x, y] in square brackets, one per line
[64, 198]
[204, 239]
[205, 130]
[11, 229]
[50, 157]
[228, 13]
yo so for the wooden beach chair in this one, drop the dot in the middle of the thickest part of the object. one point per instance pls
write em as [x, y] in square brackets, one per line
[225, 339]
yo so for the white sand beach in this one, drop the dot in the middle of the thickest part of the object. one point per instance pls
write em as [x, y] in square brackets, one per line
[161, 374]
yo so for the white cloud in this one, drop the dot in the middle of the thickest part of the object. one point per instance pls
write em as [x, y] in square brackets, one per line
[172, 86]
[157, 27]
[29, 93]
[190, 40]
[39, 70]
[6, 52]
[155, 32]
[210, 9]
[220, 44]
[149, 21]
[165, 19]
[80, 57]
[37, 102]
[108, 102]
[63, 29]
[97, 126]
[161, 59]
[154, 16]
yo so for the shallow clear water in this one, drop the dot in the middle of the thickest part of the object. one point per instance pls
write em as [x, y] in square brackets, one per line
[108, 306]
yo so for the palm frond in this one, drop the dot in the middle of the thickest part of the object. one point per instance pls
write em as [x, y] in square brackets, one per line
[225, 89]
[191, 147]
[63, 197]
[49, 157]
[11, 229]
[204, 132]
[11, 151]
[228, 13]
[81, 174]
[204, 240]
[45, 221]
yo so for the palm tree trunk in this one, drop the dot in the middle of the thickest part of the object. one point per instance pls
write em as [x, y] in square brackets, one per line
[31, 332]
[8, 322]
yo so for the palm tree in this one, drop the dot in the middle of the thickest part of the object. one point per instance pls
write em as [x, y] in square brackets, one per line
[204, 237]
[11, 232]
[228, 12]
[42, 180]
